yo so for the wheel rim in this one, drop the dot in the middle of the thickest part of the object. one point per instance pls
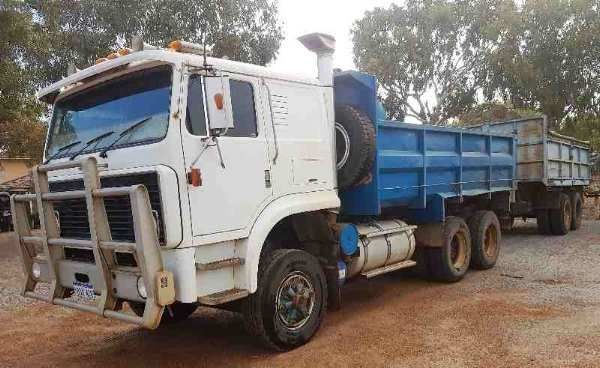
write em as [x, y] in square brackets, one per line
[342, 145]
[490, 242]
[458, 251]
[567, 214]
[295, 300]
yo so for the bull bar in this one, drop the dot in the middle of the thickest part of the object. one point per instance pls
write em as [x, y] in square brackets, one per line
[158, 283]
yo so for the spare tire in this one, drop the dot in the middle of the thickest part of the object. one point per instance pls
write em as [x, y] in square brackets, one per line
[354, 144]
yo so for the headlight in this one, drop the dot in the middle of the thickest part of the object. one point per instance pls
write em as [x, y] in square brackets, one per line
[36, 270]
[141, 287]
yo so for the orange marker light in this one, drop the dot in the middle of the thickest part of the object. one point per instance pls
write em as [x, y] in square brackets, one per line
[219, 101]
[175, 45]
[195, 177]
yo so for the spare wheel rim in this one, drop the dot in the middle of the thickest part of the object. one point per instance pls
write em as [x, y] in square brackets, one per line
[342, 145]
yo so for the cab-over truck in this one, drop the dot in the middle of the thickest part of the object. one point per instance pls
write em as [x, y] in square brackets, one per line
[172, 180]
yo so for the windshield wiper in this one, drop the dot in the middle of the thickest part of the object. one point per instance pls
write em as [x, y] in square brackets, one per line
[89, 143]
[130, 129]
[61, 150]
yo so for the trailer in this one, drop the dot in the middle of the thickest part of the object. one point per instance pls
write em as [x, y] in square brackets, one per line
[552, 173]
[172, 179]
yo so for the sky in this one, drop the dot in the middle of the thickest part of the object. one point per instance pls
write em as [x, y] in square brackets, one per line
[334, 17]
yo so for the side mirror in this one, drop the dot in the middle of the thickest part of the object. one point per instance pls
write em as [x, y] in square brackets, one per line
[218, 101]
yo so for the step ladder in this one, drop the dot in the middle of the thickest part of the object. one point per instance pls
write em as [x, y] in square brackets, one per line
[159, 283]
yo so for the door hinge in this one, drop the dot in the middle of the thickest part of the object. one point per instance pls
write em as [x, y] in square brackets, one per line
[267, 179]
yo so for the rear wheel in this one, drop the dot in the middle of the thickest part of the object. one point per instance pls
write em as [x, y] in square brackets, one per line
[485, 239]
[561, 217]
[577, 208]
[543, 222]
[290, 302]
[450, 262]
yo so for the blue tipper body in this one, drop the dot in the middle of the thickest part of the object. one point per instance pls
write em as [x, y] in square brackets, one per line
[417, 167]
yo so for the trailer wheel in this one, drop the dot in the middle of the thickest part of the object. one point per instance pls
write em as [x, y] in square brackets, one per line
[450, 262]
[561, 217]
[485, 239]
[543, 222]
[577, 207]
[175, 312]
[290, 302]
[354, 144]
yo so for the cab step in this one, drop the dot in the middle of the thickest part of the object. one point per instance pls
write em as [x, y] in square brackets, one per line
[223, 263]
[223, 297]
[389, 268]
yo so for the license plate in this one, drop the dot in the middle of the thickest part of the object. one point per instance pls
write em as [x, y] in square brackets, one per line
[83, 290]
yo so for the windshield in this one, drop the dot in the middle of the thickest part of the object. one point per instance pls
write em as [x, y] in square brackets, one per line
[113, 106]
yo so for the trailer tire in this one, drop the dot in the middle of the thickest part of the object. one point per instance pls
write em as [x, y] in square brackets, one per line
[485, 239]
[561, 217]
[577, 208]
[279, 329]
[355, 145]
[173, 313]
[543, 222]
[450, 262]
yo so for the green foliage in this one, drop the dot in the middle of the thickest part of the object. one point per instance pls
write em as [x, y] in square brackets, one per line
[38, 38]
[544, 56]
[585, 127]
[490, 111]
[422, 57]
[437, 59]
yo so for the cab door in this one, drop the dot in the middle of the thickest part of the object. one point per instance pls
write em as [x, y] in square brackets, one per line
[236, 182]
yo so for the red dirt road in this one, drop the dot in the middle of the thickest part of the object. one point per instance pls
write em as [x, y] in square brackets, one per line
[539, 307]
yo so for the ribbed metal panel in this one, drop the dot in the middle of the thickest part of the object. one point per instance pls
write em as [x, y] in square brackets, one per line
[73, 216]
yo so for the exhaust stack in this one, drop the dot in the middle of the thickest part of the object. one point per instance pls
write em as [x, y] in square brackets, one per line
[324, 46]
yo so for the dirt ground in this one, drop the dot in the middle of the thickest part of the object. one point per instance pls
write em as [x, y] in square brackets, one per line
[539, 307]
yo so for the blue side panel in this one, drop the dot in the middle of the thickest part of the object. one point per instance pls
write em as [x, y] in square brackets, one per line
[417, 167]
[358, 89]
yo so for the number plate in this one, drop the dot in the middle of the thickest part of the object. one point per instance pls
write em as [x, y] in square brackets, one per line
[83, 290]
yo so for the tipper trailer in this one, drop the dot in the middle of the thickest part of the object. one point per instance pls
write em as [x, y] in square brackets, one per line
[172, 179]
[552, 173]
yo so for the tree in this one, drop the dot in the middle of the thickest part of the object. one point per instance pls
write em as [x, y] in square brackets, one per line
[545, 55]
[423, 56]
[21, 133]
[38, 38]
[490, 111]
[436, 59]
[84, 30]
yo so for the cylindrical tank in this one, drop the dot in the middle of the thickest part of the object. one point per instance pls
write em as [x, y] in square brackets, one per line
[380, 244]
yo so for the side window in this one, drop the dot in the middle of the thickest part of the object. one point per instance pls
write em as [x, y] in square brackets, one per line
[244, 114]
[195, 116]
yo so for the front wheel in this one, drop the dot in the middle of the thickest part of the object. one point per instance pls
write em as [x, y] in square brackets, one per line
[290, 302]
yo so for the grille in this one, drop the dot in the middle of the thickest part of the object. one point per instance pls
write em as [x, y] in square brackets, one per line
[73, 213]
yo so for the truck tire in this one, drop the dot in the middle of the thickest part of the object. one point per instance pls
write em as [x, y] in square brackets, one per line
[290, 302]
[543, 222]
[485, 239]
[577, 208]
[450, 262]
[175, 312]
[561, 217]
[354, 144]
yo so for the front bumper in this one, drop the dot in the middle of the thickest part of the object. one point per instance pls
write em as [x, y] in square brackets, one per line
[111, 283]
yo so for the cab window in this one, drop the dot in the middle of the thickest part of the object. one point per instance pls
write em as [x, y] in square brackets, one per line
[244, 113]
[196, 115]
